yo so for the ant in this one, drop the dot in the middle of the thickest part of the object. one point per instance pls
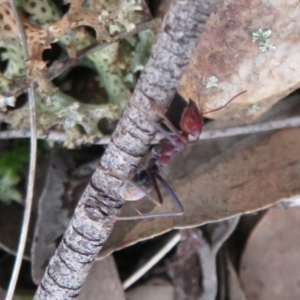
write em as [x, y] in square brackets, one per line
[144, 181]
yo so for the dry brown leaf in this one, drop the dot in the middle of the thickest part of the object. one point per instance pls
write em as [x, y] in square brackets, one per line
[270, 263]
[160, 291]
[37, 41]
[54, 212]
[37, 38]
[103, 282]
[248, 176]
[78, 16]
[8, 26]
[227, 51]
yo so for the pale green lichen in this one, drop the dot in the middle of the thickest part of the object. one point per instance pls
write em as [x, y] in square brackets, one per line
[139, 56]
[110, 77]
[121, 13]
[71, 115]
[117, 67]
[40, 12]
[7, 101]
[253, 108]
[8, 191]
[212, 82]
[66, 114]
[12, 164]
[263, 38]
[15, 65]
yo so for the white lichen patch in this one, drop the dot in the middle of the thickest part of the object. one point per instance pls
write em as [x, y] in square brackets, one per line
[7, 101]
[212, 82]
[71, 115]
[263, 38]
[253, 108]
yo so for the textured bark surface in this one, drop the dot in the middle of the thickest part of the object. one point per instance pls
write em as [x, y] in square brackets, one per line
[92, 221]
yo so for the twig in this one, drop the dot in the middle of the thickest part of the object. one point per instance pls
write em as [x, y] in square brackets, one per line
[152, 262]
[62, 65]
[95, 213]
[58, 136]
[32, 164]
[207, 255]
[222, 232]
[59, 67]
[152, 24]
[249, 129]
[208, 267]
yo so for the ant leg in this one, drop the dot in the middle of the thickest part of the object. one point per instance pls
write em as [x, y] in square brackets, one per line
[157, 126]
[174, 198]
[149, 216]
[155, 185]
[165, 119]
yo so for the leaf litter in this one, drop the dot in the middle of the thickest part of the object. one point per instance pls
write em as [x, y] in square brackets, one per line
[218, 179]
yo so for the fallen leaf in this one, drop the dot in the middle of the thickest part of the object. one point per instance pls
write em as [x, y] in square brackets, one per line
[218, 179]
[269, 266]
[248, 46]
[103, 282]
[152, 291]
[54, 213]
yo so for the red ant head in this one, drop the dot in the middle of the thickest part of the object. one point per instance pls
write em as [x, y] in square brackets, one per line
[191, 121]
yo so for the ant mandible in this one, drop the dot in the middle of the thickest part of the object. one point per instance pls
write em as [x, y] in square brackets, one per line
[144, 181]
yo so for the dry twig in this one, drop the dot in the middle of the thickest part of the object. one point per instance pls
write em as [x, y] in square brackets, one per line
[153, 261]
[59, 137]
[32, 165]
[207, 255]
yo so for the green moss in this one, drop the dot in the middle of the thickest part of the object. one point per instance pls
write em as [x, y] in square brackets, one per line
[12, 165]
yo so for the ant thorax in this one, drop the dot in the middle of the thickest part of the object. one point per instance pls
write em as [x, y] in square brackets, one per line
[167, 148]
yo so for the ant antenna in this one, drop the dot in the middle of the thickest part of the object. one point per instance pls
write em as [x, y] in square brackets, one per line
[216, 109]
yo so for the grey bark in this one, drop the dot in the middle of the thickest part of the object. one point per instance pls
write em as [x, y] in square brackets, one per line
[101, 202]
